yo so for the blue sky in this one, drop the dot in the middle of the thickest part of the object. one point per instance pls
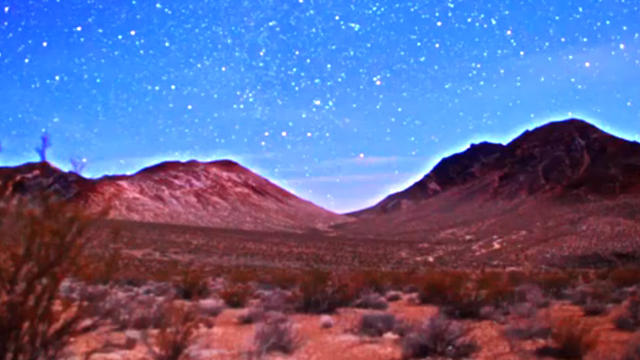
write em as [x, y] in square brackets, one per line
[338, 101]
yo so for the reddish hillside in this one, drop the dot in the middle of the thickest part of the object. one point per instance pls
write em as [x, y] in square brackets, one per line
[215, 194]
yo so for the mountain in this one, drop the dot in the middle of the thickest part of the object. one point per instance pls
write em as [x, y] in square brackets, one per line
[563, 194]
[570, 158]
[220, 194]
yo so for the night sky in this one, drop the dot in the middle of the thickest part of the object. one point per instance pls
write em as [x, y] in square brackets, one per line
[340, 102]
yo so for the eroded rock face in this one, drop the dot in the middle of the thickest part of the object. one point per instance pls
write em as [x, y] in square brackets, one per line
[568, 157]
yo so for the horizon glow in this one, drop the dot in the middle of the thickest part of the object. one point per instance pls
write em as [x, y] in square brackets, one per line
[341, 104]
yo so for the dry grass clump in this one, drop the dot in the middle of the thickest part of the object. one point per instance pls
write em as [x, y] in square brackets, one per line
[376, 324]
[438, 336]
[236, 295]
[40, 246]
[572, 338]
[275, 334]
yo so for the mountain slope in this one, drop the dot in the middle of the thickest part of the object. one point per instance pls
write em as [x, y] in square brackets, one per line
[568, 158]
[215, 194]
[565, 193]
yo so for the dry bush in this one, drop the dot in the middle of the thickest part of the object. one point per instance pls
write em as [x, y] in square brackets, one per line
[284, 279]
[176, 332]
[41, 244]
[192, 283]
[376, 324]
[630, 320]
[276, 333]
[441, 287]
[438, 336]
[572, 339]
[463, 296]
[371, 300]
[319, 293]
[236, 295]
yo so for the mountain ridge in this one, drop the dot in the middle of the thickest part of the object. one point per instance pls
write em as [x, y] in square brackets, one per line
[564, 157]
[219, 193]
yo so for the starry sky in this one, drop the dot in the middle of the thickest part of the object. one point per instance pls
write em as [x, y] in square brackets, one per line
[340, 102]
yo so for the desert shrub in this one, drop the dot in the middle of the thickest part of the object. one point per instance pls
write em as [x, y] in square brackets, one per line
[441, 287]
[625, 277]
[284, 279]
[276, 333]
[376, 324]
[572, 339]
[192, 283]
[370, 281]
[41, 244]
[176, 332]
[438, 336]
[371, 300]
[236, 295]
[277, 300]
[630, 319]
[320, 294]
[463, 296]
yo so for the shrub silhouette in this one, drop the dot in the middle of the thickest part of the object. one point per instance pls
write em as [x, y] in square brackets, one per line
[41, 244]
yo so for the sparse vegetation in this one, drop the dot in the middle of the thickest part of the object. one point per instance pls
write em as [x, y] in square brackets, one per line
[175, 334]
[320, 294]
[572, 338]
[376, 324]
[438, 336]
[41, 245]
[275, 334]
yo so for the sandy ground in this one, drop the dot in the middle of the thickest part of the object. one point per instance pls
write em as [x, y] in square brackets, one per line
[227, 339]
